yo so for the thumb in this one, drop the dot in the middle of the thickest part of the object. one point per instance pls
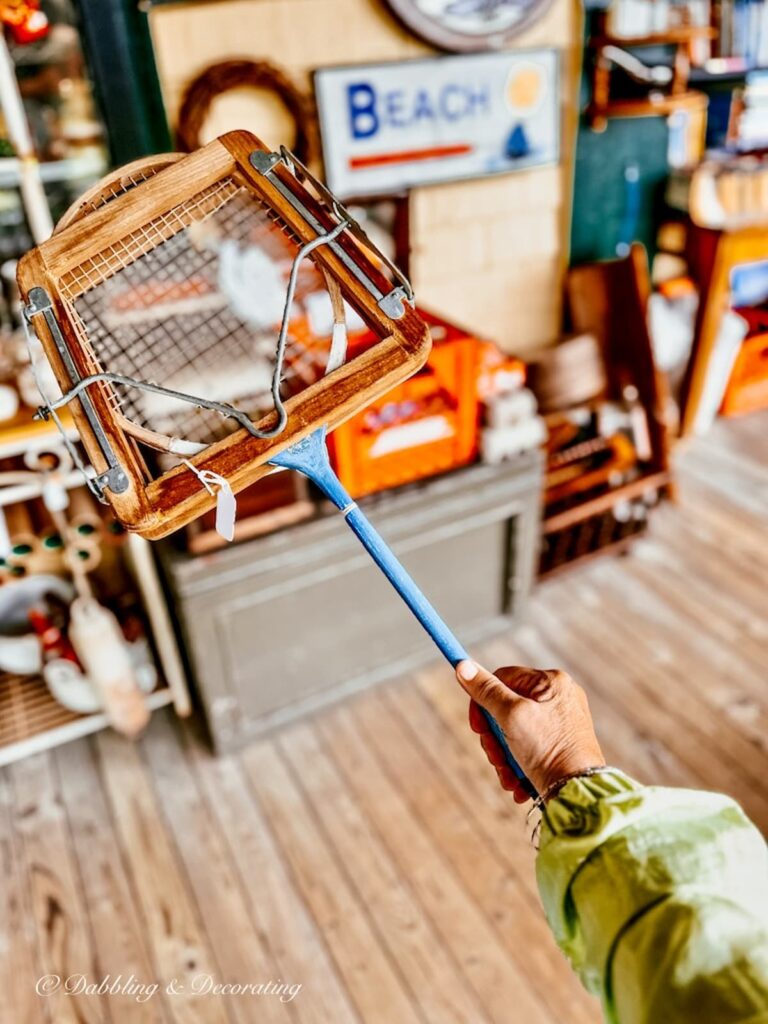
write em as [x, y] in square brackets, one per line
[485, 689]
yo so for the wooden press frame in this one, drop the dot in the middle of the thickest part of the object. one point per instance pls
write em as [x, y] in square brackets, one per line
[176, 497]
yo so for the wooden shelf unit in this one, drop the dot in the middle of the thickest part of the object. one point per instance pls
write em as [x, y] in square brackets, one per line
[609, 299]
[682, 35]
[657, 102]
[31, 720]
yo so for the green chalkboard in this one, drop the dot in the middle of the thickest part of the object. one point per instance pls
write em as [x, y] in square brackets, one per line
[619, 179]
[618, 187]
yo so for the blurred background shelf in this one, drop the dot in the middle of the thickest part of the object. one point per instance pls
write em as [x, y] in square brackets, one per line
[31, 720]
[74, 169]
[23, 432]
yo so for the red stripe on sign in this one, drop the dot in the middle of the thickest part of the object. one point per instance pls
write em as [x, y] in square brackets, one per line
[406, 156]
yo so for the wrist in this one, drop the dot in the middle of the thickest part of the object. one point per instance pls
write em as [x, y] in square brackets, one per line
[554, 787]
[556, 774]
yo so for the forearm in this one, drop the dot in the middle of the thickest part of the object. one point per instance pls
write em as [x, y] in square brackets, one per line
[660, 899]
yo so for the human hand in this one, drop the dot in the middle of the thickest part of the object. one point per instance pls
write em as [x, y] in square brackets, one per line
[545, 717]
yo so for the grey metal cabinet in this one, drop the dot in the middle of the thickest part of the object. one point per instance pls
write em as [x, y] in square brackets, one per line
[282, 624]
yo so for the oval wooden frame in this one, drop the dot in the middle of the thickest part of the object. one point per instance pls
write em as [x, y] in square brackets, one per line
[225, 75]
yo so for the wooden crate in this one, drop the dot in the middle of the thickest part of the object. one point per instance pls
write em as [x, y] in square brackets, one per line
[608, 299]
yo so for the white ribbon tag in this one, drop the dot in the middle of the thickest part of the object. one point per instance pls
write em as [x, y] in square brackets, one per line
[226, 504]
[226, 510]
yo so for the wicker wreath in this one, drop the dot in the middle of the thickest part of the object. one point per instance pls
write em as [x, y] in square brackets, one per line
[234, 74]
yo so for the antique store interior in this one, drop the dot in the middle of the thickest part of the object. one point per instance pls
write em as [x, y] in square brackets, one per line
[287, 787]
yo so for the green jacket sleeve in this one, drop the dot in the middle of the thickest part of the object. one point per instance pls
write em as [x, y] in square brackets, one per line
[659, 898]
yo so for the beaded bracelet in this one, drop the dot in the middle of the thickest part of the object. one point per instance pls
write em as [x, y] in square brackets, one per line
[552, 791]
[555, 788]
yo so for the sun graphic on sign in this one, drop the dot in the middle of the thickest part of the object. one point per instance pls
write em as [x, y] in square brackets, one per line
[525, 89]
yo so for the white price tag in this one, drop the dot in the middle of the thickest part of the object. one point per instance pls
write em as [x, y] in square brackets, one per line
[226, 510]
[226, 505]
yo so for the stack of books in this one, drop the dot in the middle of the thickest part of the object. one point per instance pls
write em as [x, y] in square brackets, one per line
[751, 125]
[743, 30]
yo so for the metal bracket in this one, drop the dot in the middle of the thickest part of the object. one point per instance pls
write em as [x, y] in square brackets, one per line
[391, 303]
[114, 477]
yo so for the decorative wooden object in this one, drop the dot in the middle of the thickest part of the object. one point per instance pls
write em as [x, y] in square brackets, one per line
[94, 249]
[226, 75]
[608, 300]
[32, 720]
[677, 96]
[568, 374]
[115, 185]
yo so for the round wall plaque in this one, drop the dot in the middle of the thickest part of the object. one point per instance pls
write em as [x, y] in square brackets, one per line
[468, 24]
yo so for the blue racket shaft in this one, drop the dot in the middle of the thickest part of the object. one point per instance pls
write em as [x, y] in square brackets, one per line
[310, 457]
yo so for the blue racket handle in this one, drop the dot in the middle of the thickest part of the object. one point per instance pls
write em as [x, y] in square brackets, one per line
[310, 457]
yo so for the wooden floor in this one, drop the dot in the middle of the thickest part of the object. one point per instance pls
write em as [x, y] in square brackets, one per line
[367, 854]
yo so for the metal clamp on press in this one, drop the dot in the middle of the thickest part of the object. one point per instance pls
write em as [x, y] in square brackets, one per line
[114, 476]
[391, 303]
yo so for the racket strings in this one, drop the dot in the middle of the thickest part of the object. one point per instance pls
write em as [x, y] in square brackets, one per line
[197, 310]
[117, 189]
[116, 257]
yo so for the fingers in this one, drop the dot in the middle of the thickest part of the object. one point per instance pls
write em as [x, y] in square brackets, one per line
[479, 724]
[477, 720]
[539, 684]
[536, 684]
[509, 782]
[484, 688]
[493, 751]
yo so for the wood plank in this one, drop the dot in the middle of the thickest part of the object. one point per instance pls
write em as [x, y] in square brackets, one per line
[116, 925]
[374, 982]
[710, 566]
[623, 684]
[179, 947]
[65, 944]
[709, 502]
[705, 550]
[729, 740]
[737, 468]
[394, 721]
[435, 980]
[711, 608]
[395, 857]
[496, 977]
[744, 433]
[732, 684]
[19, 966]
[287, 928]
[237, 948]
[743, 480]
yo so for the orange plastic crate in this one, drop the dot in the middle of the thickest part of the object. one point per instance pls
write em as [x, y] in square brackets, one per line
[747, 389]
[426, 425]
